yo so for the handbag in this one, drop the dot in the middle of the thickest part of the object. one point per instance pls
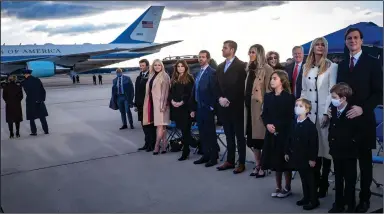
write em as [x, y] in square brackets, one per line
[176, 145]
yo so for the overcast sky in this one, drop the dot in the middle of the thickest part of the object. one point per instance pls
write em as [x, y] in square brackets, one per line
[276, 25]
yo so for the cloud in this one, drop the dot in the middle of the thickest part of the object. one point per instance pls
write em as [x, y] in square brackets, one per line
[74, 29]
[35, 10]
[182, 16]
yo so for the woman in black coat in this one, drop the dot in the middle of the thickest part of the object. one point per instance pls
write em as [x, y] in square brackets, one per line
[180, 92]
[13, 95]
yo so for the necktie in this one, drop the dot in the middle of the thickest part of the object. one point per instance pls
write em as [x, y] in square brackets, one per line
[351, 64]
[197, 84]
[338, 114]
[120, 86]
[294, 76]
[226, 65]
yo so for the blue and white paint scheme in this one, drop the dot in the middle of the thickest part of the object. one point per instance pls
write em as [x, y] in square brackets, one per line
[49, 59]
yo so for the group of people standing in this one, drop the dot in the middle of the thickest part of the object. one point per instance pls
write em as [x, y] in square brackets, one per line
[300, 117]
[35, 106]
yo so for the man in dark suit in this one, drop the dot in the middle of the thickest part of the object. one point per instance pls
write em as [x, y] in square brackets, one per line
[203, 101]
[35, 107]
[122, 94]
[295, 70]
[231, 76]
[100, 79]
[365, 76]
[140, 87]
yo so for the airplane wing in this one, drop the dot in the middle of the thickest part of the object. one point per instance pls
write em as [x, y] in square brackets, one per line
[95, 63]
[22, 61]
[155, 47]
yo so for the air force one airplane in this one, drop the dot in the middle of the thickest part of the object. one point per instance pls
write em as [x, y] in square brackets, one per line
[49, 59]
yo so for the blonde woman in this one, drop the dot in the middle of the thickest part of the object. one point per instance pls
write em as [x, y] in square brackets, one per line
[256, 85]
[318, 78]
[156, 107]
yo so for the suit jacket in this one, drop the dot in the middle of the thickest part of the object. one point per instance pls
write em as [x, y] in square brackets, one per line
[127, 86]
[140, 84]
[231, 85]
[366, 81]
[206, 90]
[289, 69]
[303, 144]
[344, 134]
[34, 101]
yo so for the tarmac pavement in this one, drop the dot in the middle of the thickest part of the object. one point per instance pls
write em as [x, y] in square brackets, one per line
[86, 164]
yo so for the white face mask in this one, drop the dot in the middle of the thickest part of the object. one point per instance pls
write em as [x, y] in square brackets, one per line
[299, 110]
[336, 102]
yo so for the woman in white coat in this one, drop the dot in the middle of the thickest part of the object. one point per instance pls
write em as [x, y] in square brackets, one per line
[318, 78]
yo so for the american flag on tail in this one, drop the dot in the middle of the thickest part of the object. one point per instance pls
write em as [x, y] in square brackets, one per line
[147, 24]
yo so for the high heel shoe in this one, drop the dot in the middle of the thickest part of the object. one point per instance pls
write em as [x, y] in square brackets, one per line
[260, 176]
[17, 134]
[155, 153]
[11, 135]
[163, 152]
[255, 171]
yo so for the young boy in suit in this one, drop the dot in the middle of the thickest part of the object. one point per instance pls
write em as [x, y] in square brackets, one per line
[343, 135]
[301, 153]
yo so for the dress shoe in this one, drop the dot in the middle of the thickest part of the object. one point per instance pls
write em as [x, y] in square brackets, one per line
[226, 165]
[11, 135]
[149, 149]
[33, 134]
[302, 202]
[17, 134]
[132, 127]
[311, 205]
[210, 163]
[124, 127]
[200, 161]
[183, 158]
[142, 148]
[46, 132]
[362, 207]
[336, 209]
[239, 169]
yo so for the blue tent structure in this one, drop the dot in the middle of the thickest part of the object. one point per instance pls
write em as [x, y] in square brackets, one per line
[373, 37]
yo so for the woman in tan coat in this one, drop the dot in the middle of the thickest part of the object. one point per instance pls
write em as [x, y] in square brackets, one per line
[256, 85]
[156, 107]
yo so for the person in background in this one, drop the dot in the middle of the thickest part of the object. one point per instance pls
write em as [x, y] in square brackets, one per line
[156, 106]
[295, 71]
[100, 79]
[180, 92]
[94, 79]
[35, 106]
[277, 115]
[77, 78]
[318, 78]
[364, 74]
[73, 79]
[231, 76]
[12, 96]
[256, 85]
[140, 83]
[343, 137]
[202, 107]
[301, 153]
[123, 93]
[273, 59]
[288, 61]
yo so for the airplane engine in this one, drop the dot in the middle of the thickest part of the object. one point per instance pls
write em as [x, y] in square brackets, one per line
[42, 68]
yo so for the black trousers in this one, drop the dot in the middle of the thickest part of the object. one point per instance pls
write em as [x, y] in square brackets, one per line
[10, 127]
[365, 166]
[345, 172]
[44, 125]
[308, 184]
[185, 127]
[322, 169]
[234, 127]
[207, 133]
[150, 135]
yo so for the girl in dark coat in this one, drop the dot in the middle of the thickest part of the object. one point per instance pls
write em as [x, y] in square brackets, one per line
[13, 95]
[180, 92]
[277, 116]
[301, 153]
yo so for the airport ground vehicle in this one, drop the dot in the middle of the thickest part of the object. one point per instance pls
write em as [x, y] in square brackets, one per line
[192, 61]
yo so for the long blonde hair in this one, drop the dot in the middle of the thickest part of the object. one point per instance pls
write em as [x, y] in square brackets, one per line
[152, 68]
[323, 64]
